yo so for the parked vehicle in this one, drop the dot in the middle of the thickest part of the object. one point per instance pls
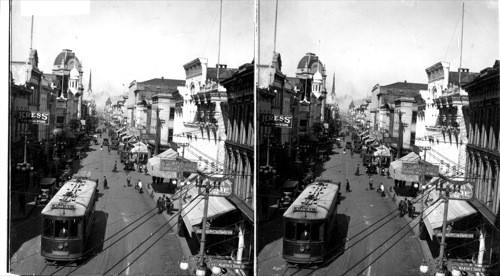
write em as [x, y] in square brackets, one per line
[47, 189]
[290, 190]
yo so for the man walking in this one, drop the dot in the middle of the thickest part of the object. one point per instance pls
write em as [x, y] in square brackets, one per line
[139, 185]
[159, 204]
[106, 183]
[357, 170]
[168, 204]
[347, 186]
[370, 183]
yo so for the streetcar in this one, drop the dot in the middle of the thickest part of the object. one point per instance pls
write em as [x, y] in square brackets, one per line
[308, 224]
[67, 220]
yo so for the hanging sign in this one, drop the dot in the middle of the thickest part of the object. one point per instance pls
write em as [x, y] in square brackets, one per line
[178, 165]
[420, 169]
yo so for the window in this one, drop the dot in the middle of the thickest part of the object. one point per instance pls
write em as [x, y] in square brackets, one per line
[290, 230]
[48, 227]
[60, 120]
[412, 138]
[172, 113]
[62, 229]
[414, 117]
[170, 134]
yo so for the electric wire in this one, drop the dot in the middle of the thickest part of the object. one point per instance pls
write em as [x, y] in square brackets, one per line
[352, 245]
[112, 236]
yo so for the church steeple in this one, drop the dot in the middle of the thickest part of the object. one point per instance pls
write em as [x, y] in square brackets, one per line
[89, 89]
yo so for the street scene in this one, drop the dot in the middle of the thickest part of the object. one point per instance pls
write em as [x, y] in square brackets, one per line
[372, 153]
[126, 158]
[252, 137]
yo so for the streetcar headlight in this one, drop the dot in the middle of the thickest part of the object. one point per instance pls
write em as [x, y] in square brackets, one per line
[307, 247]
[60, 246]
[65, 244]
[302, 249]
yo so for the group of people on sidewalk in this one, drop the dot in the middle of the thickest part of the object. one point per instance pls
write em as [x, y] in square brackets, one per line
[164, 204]
[406, 207]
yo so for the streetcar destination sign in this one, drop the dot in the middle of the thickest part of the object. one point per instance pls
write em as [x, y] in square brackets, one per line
[304, 209]
[63, 206]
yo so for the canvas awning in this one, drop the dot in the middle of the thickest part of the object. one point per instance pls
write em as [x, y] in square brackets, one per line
[192, 212]
[396, 168]
[139, 147]
[434, 214]
[154, 164]
[382, 151]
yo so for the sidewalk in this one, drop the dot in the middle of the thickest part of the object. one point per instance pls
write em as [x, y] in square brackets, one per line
[415, 222]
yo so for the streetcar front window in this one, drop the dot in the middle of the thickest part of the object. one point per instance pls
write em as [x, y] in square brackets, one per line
[62, 229]
[290, 230]
[308, 231]
[48, 227]
[75, 228]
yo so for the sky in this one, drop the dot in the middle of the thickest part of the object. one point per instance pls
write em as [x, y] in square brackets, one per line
[379, 42]
[363, 42]
[122, 41]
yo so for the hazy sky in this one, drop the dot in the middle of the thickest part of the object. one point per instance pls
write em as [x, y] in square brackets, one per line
[370, 42]
[363, 42]
[122, 41]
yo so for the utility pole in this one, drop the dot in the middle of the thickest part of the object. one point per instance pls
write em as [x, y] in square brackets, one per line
[443, 231]
[400, 134]
[158, 131]
[201, 257]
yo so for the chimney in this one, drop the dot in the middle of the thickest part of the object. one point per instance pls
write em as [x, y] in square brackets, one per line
[161, 77]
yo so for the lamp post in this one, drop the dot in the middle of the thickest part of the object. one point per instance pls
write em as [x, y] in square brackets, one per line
[25, 166]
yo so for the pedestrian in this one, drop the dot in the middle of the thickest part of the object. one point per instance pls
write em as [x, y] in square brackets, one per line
[405, 206]
[139, 186]
[357, 170]
[128, 181]
[159, 204]
[115, 169]
[352, 153]
[109, 149]
[347, 186]
[411, 209]
[382, 189]
[401, 208]
[106, 183]
[370, 182]
[168, 204]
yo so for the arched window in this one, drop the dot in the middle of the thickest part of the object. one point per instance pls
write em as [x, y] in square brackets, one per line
[191, 89]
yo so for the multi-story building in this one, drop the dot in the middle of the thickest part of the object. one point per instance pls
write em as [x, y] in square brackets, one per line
[140, 99]
[483, 157]
[239, 152]
[206, 132]
[446, 113]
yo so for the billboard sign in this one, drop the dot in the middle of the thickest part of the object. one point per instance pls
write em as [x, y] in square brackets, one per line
[420, 169]
[178, 166]
[276, 120]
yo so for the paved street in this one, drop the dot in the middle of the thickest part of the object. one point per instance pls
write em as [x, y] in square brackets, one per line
[364, 220]
[129, 237]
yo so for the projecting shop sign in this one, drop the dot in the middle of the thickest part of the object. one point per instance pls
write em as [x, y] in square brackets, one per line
[178, 166]
[39, 118]
[276, 120]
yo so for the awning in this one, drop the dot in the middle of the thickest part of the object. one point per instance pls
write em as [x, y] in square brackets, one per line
[155, 162]
[139, 147]
[396, 168]
[192, 213]
[382, 151]
[433, 215]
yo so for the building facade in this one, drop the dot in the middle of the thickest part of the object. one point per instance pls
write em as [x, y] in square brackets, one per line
[483, 156]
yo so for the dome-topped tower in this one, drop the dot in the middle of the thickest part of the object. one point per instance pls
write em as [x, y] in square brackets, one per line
[309, 64]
